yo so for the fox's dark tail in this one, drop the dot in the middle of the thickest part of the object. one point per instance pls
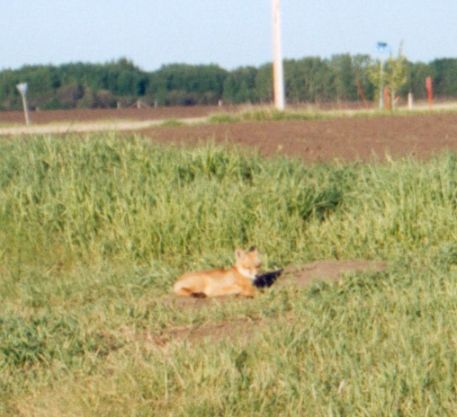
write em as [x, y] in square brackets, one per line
[267, 279]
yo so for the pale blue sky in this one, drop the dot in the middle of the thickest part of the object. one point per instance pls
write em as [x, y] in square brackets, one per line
[230, 33]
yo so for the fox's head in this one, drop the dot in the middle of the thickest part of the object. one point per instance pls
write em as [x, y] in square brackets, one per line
[248, 262]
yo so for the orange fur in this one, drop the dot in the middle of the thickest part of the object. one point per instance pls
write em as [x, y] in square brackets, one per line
[218, 282]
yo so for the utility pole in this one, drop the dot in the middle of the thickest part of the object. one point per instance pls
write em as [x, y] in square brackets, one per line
[278, 71]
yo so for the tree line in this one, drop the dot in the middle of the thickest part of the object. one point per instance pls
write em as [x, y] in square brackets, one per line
[340, 78]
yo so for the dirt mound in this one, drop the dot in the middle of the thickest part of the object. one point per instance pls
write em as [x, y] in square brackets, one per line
[331, 270]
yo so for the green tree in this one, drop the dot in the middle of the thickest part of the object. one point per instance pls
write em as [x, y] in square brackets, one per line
[187, 84]
[309, 80]
[444, 72]
[393, 77]
[361, 65]
[264, 83]
[396, 75]
[344, 77]
[416, 74]
[240, 86]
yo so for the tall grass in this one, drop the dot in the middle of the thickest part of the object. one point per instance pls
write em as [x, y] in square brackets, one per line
[94, 230]
[107, 198]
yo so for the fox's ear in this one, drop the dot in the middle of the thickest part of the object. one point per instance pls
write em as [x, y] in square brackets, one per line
[252, 249]
[239, 253]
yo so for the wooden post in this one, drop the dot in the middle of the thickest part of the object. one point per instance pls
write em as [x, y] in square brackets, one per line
[22, 88]
[429, 87]
[410, 101]
[26, 110]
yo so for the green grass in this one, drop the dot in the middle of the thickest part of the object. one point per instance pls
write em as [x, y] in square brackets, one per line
[172, 123]
[260, 114]
[94, 230]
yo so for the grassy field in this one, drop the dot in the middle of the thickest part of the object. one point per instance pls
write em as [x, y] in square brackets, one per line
[93, 231]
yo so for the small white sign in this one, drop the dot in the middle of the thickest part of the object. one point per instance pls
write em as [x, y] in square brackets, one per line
[22, 87]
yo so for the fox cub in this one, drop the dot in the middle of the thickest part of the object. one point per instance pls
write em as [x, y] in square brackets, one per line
[237, 280]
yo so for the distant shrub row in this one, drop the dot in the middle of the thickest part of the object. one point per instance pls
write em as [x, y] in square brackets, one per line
[342, 78]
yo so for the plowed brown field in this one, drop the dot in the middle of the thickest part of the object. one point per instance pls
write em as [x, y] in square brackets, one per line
[363, 138]
[346, 138]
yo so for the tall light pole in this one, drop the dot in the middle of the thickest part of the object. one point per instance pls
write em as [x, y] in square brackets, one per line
[278, 71]
[22, 88]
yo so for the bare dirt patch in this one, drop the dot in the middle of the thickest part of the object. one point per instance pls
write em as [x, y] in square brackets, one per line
[238, 329]
[92, 115]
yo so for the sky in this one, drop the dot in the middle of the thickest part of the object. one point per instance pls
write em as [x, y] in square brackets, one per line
[230, 33]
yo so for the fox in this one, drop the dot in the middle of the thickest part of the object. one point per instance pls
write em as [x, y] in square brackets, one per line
[237, 280]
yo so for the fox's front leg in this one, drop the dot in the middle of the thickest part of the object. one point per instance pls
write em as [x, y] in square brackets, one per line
[248, 290]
